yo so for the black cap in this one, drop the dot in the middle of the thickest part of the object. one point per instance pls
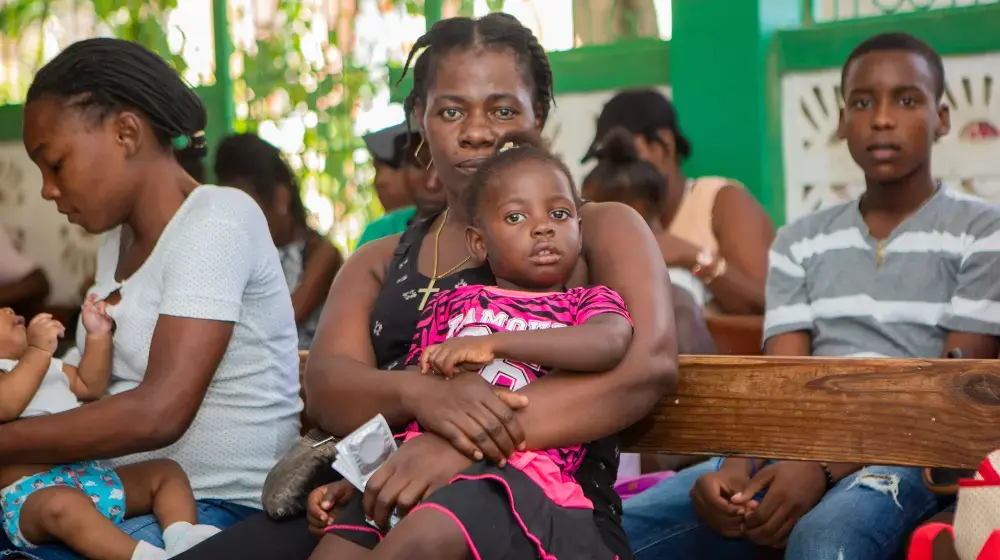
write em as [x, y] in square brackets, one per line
[640, 111]
[386, 145]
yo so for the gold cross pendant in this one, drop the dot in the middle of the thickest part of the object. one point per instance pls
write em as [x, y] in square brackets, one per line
[430, 289]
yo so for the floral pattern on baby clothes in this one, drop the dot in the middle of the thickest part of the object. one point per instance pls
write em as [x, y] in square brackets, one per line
[92, 478]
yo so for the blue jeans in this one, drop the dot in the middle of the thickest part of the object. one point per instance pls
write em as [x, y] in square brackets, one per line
[857, 518]
[144, 528]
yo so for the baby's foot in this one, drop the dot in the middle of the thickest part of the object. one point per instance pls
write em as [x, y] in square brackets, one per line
[146, 551]
[182, 535]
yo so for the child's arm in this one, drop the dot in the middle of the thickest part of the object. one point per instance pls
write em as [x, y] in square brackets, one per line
[89, 381]
[597, 344]
[19, 386]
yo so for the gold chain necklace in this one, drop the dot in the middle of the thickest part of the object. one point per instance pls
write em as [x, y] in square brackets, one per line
[430, 289]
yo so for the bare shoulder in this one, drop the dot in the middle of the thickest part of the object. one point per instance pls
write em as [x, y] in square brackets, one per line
[375, 256]
[607, 214]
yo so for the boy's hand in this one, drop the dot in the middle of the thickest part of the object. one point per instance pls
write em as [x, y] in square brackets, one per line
[322, 500]
[793, 488]
[44, 332]
[455, 355]
[95, 316]
[710, 499]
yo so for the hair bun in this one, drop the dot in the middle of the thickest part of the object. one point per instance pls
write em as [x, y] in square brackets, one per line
[617, 146]
[521, 139]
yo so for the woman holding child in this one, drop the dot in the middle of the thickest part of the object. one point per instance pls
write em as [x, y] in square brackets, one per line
[477, 81]
[204, 359]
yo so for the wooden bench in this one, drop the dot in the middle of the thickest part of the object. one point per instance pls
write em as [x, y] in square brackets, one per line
[928, 413]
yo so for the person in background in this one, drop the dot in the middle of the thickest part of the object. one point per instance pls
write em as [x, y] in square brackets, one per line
[194, 164]
[309, 260]
[389, 182]
[419, 180]
[715, 236]
[23, 284]
[622, 176]
[907, 271]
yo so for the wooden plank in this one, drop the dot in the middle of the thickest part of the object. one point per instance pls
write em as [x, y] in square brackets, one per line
[736, 335]
[933, 413]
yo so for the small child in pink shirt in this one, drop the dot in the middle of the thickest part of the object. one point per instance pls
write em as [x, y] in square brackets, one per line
[525, 224]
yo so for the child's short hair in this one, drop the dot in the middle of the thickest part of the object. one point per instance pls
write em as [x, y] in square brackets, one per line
[621, 175]
[899, 41]
[513, 148]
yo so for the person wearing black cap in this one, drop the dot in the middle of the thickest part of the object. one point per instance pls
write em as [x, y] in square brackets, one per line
[714, 236]
[418, 179]
[384, 147]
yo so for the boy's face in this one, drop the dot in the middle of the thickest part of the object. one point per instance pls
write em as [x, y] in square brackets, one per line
[13, 334]
[891, 114]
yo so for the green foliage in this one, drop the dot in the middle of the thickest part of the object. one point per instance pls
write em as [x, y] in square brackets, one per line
[136, 20]
[280, 83]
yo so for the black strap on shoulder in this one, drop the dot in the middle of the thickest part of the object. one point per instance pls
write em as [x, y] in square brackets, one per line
[410, 237]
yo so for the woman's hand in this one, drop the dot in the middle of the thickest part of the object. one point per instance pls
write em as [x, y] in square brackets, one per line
[457, 354]
[476, 417]
[415, 471]
[322, 500]
[677, 252]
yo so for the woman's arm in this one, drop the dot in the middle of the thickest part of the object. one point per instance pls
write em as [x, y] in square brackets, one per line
[745, 233]
[320, 269]
[183, 357]
[622, 254]
[344, 388]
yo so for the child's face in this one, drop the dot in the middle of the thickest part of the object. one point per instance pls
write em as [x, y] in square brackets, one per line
[891, 115]
[529, 229]
[13, 334]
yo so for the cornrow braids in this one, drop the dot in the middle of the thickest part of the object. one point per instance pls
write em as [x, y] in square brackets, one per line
[512, 149]
[103, 75]
[495, 31]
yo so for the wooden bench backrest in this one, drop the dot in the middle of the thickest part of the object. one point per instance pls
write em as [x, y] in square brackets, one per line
[931, 413]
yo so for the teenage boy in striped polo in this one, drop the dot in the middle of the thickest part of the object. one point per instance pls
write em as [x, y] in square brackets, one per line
[911, 269]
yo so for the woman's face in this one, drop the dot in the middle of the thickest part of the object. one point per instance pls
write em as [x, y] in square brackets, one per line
[477, 96]
[89, 169]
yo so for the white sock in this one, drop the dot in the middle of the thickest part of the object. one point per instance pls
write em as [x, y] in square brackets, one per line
[146, 551]
[182, 535]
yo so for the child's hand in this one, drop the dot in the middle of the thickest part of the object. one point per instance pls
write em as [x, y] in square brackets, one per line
[95, 316]
[44, 332]
[462, 353]
[322, 500]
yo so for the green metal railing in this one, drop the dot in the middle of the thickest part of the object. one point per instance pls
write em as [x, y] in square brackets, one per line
[824, 11]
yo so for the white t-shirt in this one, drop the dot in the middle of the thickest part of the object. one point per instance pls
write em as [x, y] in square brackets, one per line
[53, 395]
[215, 260]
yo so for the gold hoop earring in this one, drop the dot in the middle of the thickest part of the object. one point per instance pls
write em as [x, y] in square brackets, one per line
[416, 155]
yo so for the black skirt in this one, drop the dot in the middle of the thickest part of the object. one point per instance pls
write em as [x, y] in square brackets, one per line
[503, 514]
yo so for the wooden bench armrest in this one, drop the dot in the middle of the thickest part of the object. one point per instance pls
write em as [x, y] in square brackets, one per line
[931, 413]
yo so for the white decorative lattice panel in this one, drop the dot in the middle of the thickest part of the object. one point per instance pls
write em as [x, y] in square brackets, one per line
[572, 124]
[65, 252]
[819, 171]
[836, 10]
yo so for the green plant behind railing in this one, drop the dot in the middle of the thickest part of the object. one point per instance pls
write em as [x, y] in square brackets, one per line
[282, 83]
[136, 20]
[855, 9]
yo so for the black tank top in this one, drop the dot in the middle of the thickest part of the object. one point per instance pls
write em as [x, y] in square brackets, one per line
[393, 323]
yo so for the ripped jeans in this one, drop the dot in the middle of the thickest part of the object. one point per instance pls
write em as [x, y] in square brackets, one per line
[864, 517]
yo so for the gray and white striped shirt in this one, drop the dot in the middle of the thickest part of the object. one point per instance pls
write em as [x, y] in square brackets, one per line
[939, 271]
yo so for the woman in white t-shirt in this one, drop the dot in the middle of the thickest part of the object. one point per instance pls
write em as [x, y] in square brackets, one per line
[205, 367]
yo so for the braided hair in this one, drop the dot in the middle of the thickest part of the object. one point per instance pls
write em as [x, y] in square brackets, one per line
[494, 31]
[248, 159]
[512, 149]
[103, 76]
[622, 176]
